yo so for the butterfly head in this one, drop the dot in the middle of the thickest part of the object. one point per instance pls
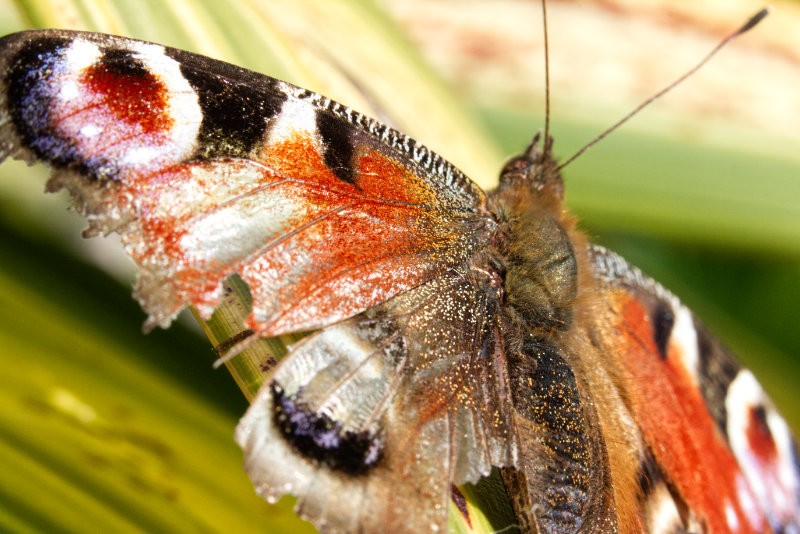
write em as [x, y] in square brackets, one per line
[535, 169]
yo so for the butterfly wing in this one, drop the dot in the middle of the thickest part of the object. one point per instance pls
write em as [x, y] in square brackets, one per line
[372, 420]
[206, 169]
[718, 457]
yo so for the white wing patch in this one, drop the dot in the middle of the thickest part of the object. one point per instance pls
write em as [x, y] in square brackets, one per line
[296, 117]
[684, 334]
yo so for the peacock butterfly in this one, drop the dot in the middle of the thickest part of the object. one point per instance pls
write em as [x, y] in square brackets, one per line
[453, 330]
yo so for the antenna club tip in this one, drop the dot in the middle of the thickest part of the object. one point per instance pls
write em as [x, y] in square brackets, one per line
[754, 20]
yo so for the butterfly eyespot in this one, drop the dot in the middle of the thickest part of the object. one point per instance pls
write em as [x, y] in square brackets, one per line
[102, 111]
[318, 437]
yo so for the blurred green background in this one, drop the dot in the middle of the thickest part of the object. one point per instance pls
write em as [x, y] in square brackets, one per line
[101, 426]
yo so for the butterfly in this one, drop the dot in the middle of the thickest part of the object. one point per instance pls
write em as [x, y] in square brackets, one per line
[452, 331]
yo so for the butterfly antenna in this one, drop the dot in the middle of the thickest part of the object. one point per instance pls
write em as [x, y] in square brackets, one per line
[547, 143]
[751, 22]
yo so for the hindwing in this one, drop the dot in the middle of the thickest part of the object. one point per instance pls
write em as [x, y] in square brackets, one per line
[717, 457]
[371, 420]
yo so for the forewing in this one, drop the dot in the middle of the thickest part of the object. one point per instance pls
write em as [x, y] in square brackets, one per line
[206, 169]
[727, 457]
[412, 393]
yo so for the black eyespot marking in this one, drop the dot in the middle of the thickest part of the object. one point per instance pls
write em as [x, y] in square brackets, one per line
[319, 437]
[663, 321]
[337, 145]
[236, 103]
